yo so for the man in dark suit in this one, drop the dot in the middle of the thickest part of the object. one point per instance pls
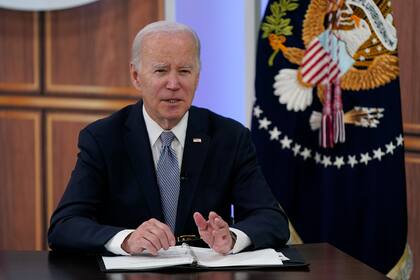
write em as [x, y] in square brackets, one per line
[163, 168]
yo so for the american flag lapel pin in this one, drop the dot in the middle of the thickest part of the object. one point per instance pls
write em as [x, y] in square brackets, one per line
[196, 140]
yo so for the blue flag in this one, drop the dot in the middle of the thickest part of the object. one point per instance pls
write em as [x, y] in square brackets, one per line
[327, 124]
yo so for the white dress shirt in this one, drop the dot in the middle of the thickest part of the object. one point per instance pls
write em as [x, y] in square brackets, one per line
[154, 131]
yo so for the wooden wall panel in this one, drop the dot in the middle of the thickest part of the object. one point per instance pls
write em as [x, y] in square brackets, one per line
[62, 136]
[19, 47]
[20, 181]
[64, 103]
[88, 48]
[58, 71]
[413, 195]
[407, 20]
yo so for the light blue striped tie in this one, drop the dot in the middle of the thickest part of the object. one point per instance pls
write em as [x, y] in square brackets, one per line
[168, 177]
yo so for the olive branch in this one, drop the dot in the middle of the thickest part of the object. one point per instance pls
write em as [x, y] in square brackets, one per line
[278, 25]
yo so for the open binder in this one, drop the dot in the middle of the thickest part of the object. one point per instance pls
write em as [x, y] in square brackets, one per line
[186, 256]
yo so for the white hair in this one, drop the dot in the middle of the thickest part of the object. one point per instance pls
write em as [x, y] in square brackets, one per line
[159, 27]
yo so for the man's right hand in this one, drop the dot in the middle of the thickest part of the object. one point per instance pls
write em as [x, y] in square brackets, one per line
[152, 235]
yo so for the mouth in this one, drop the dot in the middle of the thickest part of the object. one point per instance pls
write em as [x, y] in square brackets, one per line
[171, 101]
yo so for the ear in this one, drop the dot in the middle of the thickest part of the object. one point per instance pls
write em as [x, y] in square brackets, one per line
[134, 75]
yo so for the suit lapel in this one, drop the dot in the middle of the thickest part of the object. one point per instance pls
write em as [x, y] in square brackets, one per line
[137, 145]
[196, 146]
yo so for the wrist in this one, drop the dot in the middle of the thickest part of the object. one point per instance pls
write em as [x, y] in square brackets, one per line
[124, 244]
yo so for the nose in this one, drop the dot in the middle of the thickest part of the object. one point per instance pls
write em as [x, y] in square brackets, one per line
[173, 82]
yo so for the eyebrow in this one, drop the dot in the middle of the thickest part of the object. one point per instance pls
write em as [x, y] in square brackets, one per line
[164, 65]
[160, 65]
[186, 66]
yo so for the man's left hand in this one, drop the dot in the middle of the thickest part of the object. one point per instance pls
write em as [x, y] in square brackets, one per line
[215, 232]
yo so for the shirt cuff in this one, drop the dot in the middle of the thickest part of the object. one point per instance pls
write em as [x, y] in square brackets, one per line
[242, 241]
[114, 244]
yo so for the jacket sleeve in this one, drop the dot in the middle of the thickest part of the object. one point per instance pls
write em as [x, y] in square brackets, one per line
[257, 212]
[74, 224]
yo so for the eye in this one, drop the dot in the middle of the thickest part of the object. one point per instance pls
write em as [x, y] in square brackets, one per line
[160, 70]
[185, 71]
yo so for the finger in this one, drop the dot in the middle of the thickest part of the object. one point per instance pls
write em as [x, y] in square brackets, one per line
[147, 236]
[216, 221]
[152, 238]
[200, 222]
[147, 245]
[213, 215]
[130, 245]
[137, 244]
[154, 225]
[203, 229]
[161, 236]
[220, 223]
[207, 237]
[164, 233]
[136, 249]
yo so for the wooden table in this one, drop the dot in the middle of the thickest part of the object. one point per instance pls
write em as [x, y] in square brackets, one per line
[326, 262]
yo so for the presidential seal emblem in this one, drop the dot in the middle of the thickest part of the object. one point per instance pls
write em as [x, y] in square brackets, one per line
[349, 45]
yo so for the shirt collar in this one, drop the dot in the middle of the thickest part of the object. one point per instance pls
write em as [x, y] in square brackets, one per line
[154, 130]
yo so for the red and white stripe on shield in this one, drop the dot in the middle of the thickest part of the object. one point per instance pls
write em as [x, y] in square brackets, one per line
[318, 66]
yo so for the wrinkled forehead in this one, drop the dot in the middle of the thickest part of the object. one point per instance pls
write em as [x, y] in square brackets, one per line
[179, 43]
[170, 37]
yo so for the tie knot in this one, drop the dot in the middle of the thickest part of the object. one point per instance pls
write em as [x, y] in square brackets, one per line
[166, 137]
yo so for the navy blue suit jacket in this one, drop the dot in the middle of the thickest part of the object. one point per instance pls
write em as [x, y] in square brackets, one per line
[114, 186]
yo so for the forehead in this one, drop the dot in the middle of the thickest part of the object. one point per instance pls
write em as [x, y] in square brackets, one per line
[174, 45]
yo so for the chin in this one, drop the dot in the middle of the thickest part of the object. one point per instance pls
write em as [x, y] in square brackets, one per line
[169, 114]
[174, 111]
[175, 117]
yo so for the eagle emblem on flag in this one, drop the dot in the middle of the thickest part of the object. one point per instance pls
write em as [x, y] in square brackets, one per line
[349, 45]
[327, 126]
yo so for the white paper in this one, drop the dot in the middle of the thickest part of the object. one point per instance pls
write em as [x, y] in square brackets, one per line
[283, 257]
[177, 255]
[209, 258]
[186, 255]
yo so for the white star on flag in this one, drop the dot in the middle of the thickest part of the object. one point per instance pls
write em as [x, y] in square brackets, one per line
[317, 157]
[264, 123]
[378, 154]
[257, 111]
[352, 161]
[365, 158]
[390, 148]
[296, 149]
[285, 142]
[400, 140]
[326, 161]
[274, 133]
[339, 161]
[306, 153]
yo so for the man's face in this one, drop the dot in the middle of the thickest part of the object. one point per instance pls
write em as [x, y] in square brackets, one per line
[168, 76]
